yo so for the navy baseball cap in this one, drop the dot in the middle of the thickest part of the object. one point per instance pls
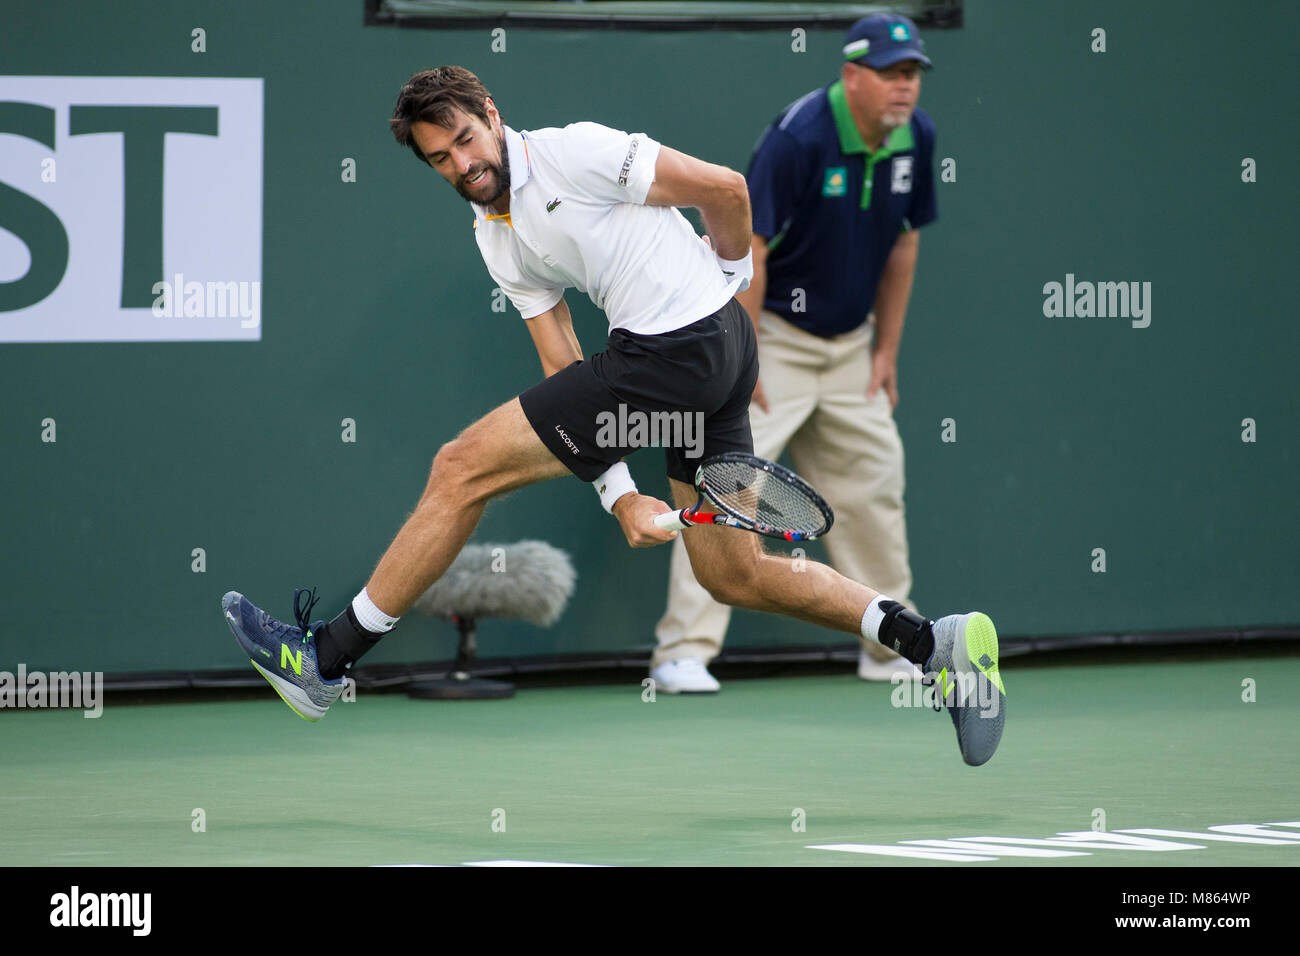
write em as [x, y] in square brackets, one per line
[883, 39]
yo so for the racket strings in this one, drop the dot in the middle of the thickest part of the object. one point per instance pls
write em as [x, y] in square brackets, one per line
[761, 497]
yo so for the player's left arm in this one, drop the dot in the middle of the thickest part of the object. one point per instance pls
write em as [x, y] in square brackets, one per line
[719, 193]
[557, 343]
[892, 294]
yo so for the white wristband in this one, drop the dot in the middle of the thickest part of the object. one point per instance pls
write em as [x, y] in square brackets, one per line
[614, 484]
[738, 268]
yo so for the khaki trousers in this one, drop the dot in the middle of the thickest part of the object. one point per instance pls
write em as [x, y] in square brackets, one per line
[847, 447]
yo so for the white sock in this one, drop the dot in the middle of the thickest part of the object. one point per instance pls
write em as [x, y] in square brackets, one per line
[873, 617]
[369, 616]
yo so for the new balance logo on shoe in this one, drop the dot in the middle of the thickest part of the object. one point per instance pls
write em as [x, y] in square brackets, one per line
[288, 660]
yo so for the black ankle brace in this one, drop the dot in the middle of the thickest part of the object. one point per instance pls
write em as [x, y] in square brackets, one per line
[342, 642]
[906, 632]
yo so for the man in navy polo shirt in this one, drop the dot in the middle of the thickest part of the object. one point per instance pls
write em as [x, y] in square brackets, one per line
[839, 184]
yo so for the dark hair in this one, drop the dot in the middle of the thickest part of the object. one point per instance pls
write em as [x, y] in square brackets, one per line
[433, 96]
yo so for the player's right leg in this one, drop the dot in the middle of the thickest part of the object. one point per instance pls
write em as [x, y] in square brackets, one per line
[958, 652]
[305, 662]
[733, 567]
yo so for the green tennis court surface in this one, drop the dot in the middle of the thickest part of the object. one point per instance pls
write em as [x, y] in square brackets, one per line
[596, 775]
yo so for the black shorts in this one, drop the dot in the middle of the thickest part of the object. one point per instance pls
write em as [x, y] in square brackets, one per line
[686, 391]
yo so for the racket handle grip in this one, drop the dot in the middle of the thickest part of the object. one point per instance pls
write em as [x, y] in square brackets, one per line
[671, 521]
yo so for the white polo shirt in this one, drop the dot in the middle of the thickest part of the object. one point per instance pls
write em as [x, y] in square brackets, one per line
[577, 219]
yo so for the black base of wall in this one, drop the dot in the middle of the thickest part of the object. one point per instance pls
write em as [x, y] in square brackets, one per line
[574, 669]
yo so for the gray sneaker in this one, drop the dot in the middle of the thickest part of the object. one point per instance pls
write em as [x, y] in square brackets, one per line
[285, 655]
[964, 665]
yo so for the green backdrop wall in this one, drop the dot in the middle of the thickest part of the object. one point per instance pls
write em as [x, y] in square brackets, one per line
[1072, 434]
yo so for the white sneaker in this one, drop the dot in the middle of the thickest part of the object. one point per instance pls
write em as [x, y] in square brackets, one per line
[686, 675]
[872, 669]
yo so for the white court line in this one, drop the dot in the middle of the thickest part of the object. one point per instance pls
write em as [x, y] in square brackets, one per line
[915, 852]
[971, 847]
[524, 863]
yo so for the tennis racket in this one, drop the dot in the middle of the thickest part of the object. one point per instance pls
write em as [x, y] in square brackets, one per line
[754, 494]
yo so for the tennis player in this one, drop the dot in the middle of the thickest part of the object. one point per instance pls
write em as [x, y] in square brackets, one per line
[592, 208]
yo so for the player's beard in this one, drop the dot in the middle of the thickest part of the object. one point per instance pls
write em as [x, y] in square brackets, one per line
[500, 171]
